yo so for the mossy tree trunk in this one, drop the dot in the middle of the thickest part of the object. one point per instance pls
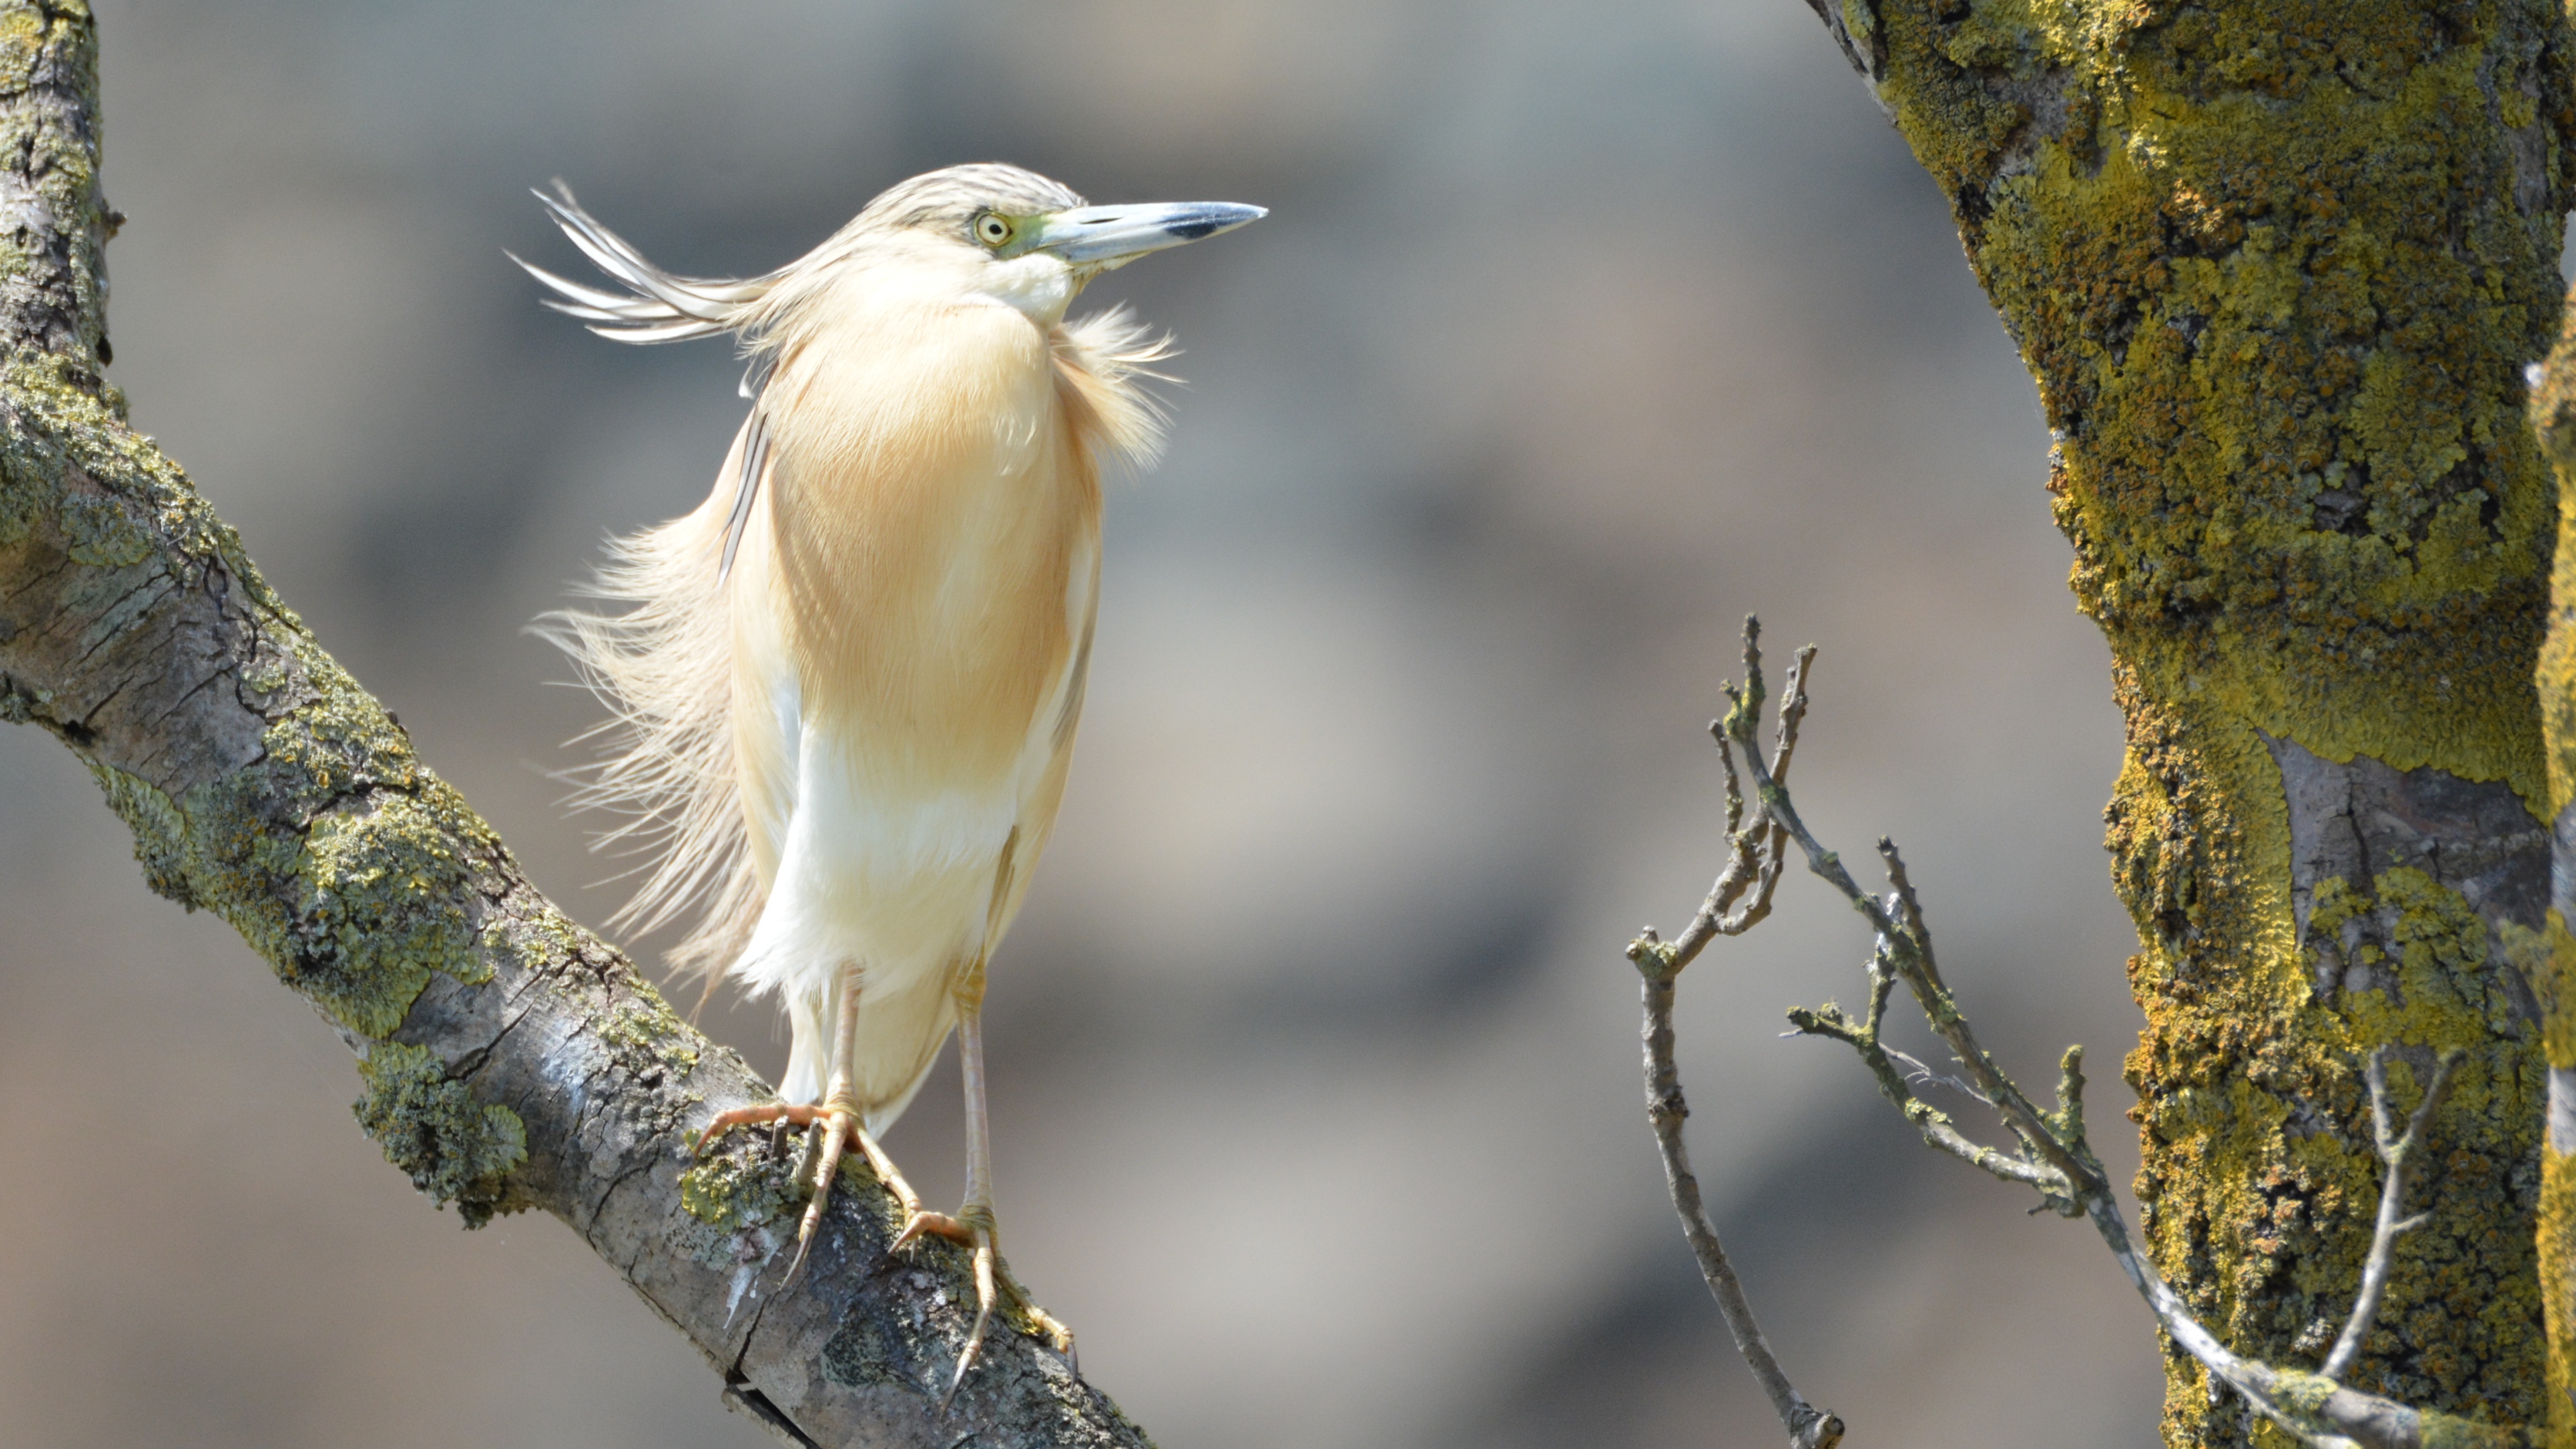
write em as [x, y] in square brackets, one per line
[2277, 267]
[2553, 408]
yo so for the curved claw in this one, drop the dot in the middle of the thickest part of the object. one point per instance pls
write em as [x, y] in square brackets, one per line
[919, 1222]
[993, 1281]
[1056, 1332]
[984, 1295]
[833, 1130]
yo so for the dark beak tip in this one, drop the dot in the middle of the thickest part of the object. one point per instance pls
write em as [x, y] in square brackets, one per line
[1221, 216]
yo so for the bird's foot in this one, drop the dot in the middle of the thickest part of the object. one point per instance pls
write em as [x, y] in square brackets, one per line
[834, 1128]
[972, 1226]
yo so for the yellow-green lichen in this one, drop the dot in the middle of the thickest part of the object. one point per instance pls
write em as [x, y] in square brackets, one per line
[160, 832]
[100, 534]
[643, 1031]
[456, 1149]
[21, 702]
[2557, 1252]
[340, 859]
[2276, 268]
[2450, 1431]
[2553, 414]
[381, 911]
[2550, 960]
[735, 1190]
[2288, 386]
[49, 47]
[2547, 960]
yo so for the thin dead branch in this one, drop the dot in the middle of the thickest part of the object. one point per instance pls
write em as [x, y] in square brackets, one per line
[1754, 856]
[2052, 1155]
[1808, 1426]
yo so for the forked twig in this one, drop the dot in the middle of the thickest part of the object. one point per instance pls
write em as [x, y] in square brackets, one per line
[1755, 851]
[2398, 1154]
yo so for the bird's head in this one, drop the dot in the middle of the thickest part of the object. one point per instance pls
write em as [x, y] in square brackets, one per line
[1019, 238]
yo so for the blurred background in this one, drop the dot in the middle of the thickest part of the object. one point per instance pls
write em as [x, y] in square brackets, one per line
[1575, 333]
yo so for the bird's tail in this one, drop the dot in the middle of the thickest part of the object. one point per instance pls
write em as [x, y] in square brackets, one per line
[661, 660]
[657, 306]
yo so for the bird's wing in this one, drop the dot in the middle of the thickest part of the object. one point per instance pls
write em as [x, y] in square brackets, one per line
[658, 306]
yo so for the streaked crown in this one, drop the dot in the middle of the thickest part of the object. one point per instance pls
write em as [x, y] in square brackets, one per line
[956, 194]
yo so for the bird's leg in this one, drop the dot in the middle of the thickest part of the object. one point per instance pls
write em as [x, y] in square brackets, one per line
[974, 1224]
[784, 1113]
[839, 1121]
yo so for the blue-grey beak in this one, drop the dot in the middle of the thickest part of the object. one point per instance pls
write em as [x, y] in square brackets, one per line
[1106, 236]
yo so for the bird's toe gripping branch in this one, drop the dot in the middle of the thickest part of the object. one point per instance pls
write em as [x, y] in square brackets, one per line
[973, 1226]
[836, 1130]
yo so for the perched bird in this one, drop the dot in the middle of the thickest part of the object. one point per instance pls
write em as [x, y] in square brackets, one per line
[844, 689]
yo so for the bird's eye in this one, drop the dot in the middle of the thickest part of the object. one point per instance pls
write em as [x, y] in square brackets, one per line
[992, 230]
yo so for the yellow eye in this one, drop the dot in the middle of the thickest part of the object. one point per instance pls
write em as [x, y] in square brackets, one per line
[992, 230]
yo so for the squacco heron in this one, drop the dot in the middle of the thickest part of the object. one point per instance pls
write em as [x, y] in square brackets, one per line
[844, 689]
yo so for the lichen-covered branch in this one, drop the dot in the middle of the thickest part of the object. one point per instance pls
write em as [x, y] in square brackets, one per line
[2053, 1155]
[2276, 267]
[508, 1059]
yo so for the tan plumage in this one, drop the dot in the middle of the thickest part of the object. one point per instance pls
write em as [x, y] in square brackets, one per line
[844, 690]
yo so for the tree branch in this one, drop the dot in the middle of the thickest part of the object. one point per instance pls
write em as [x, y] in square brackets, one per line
[510, 1059]
[1752, 863]
[2054, 1157]
[1808, 1426]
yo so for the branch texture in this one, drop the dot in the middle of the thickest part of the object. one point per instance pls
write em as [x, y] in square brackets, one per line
[509, 1059]
[2552, 956]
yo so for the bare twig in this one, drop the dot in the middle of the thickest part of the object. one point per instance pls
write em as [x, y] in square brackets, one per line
[2053, 1157]
[2398, 1153]
[1808, 1426]
[1755, 851]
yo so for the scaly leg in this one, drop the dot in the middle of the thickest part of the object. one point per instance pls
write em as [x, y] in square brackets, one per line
[974, 1224]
